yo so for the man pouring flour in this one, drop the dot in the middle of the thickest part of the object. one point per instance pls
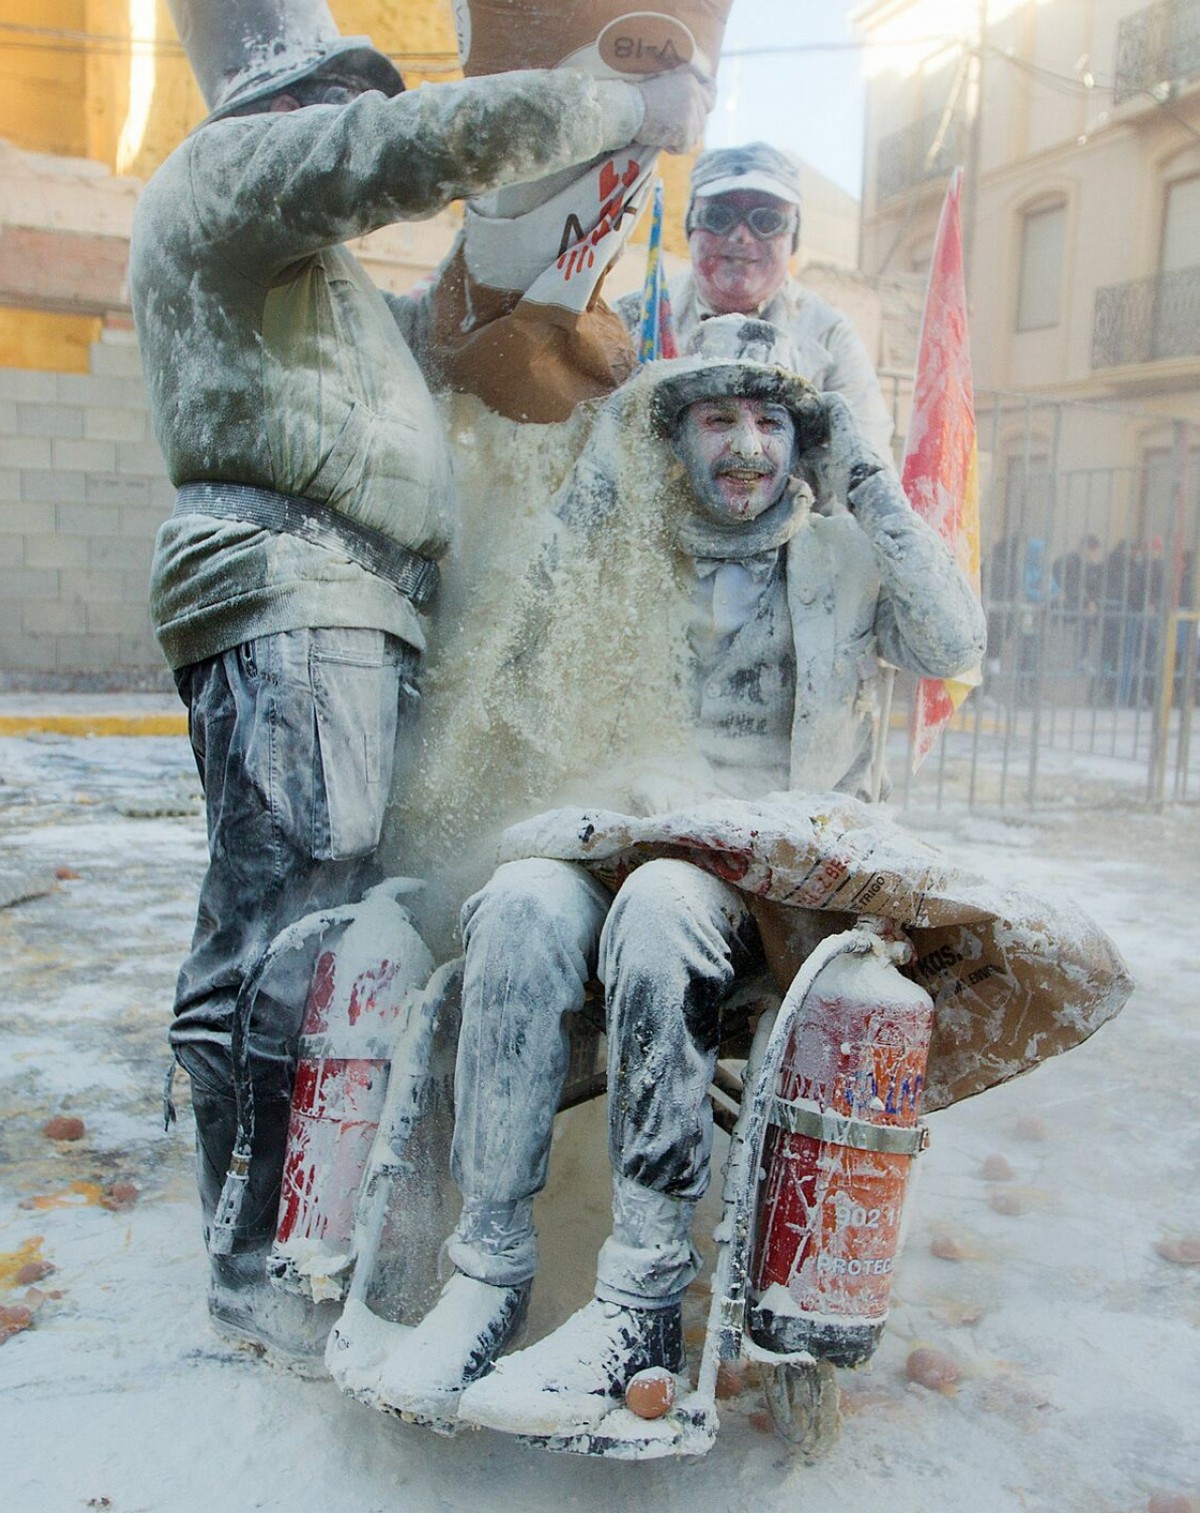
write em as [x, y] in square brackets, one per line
[315, 499]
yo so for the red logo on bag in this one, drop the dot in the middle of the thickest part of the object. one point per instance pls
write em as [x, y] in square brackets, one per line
[575, 253]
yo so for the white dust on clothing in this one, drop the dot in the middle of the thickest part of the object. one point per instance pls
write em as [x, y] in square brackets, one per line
[558, 666]
[1011, 973]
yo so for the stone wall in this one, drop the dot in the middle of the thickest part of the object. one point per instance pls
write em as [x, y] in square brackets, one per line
[82, 493]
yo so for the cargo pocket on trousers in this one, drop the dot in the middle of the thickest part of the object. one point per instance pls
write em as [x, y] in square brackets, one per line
[355, 703]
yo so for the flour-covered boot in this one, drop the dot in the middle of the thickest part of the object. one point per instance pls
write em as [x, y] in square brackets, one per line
[456, 1342]
[287, 1331]
[243, 1307]
[566, 1383]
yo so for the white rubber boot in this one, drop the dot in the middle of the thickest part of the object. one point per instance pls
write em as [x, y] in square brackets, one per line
[454, 1344]
[569, 1381]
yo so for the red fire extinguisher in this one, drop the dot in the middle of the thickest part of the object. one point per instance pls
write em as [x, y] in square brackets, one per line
[360, 987]
[837, 1158]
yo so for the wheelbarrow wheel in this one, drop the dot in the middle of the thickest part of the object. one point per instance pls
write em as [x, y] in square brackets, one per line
[803, 1404]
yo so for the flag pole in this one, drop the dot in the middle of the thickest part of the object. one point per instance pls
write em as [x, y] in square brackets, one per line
[656, 335]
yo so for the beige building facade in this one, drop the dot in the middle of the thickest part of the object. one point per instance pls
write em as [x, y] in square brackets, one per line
[1078, 125]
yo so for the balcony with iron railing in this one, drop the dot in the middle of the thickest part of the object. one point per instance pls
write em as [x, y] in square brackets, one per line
[1157, 46]
[1147, 320]
[917, 154]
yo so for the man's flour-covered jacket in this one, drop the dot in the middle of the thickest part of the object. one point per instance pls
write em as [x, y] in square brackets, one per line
[787, 697]
[271, 359]
[874, 586]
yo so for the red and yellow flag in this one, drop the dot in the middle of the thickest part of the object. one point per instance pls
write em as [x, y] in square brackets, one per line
[941, 460]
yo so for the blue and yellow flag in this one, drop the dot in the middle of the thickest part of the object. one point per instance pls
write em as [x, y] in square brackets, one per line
[657, 333]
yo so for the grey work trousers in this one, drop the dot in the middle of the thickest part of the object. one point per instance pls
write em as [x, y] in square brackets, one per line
[296, 737]
[668, 949]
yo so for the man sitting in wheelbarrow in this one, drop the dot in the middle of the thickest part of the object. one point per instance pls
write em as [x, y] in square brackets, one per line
[802, 566]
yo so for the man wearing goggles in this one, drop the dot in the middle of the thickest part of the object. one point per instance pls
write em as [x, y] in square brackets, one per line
[723, 217]
[743, 225]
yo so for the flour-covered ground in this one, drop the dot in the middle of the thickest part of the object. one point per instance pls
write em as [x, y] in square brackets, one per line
[1078, 1339]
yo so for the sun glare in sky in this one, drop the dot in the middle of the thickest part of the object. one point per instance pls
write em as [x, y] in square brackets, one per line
[143, 29]
[809, 102]
[792, 72]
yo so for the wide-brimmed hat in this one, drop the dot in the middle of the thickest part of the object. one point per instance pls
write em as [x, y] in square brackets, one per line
[740, 357]
[246, 50]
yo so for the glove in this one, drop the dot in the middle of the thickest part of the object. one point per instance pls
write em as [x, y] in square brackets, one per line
[835, 466]
[676, 105]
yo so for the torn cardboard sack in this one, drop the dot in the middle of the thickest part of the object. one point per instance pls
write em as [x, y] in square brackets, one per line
[1015, 978]
[517, 313]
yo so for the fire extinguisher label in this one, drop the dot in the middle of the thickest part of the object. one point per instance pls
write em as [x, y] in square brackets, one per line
[852, 1266]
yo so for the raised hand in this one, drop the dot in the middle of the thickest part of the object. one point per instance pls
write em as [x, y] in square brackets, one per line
[677, 105]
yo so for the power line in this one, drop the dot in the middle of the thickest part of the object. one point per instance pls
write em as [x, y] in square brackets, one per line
[1071, 85]
[862, 44]
[1065, 83]
[19, 37]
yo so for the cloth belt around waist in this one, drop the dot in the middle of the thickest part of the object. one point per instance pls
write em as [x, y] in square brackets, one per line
[416, 577]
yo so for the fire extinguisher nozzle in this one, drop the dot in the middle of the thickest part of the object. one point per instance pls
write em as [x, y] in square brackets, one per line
[229, 1208]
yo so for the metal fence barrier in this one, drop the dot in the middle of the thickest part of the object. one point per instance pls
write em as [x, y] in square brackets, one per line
[1089, 584]
[1048, 726]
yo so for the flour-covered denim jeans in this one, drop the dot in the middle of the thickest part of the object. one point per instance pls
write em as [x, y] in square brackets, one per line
[668, 949]
[296, 736]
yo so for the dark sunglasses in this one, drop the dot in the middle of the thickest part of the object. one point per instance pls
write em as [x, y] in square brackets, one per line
[720, 218]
